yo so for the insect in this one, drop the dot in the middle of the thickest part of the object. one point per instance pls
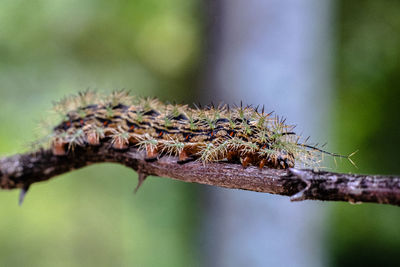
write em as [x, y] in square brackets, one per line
[240, 134]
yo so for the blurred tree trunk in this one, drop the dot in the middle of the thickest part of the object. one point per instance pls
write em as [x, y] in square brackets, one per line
[275, 53]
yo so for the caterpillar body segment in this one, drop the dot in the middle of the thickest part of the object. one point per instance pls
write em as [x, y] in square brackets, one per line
[238, 135]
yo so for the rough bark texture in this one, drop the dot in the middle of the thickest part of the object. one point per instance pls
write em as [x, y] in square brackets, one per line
[20, 171]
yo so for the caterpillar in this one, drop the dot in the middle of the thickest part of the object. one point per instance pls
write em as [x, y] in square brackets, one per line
[239, 134]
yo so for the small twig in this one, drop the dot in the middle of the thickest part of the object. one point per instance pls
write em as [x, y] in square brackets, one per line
[20, 171]
[302, 174]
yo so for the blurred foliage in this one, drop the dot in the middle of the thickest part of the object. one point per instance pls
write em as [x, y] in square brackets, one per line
[90, 217]
[368, 107]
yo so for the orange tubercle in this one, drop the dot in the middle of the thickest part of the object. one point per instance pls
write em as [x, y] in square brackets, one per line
[152, 152]
[262, 163]
[93, 138]
[120, 144]
[59, 148]
[246, 161]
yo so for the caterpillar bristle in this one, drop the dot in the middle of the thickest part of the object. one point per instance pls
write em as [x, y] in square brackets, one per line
[239, 134]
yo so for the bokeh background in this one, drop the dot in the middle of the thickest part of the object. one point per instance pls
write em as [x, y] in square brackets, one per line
[168, 49]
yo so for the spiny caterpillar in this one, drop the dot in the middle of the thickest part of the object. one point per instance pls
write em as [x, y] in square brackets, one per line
[237, 135]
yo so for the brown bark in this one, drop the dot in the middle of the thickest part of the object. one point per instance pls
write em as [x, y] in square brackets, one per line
[20, 171]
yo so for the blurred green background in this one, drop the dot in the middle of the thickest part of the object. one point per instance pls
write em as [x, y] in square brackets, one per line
[90, 217]
[367, 118]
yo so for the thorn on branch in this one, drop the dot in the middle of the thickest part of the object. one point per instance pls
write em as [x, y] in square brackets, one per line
[22, 194]
[141, 177]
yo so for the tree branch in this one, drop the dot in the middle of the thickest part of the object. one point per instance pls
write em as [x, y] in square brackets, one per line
[20, 171]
